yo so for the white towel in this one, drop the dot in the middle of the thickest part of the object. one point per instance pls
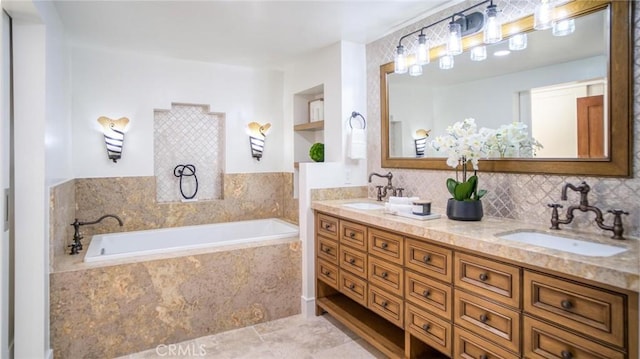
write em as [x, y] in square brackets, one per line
[396, 208]
[402, 200]
[357, 144]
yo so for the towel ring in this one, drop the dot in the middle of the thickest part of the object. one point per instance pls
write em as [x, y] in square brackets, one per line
[355, 114]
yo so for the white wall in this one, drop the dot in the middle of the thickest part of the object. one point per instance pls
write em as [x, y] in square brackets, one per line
[116, 84]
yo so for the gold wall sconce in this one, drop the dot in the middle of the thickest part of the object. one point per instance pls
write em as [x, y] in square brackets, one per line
[420, 141]
[113, 131]
[257, 136]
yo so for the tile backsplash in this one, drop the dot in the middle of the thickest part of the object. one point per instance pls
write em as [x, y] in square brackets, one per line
[518, 196]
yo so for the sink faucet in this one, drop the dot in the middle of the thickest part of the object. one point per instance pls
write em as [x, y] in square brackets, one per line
[384, 190]
[77, 244]
[584, 206]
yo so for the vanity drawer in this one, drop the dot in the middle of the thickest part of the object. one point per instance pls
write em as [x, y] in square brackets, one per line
[353, 287]
[386, 245]
[429, 294]
[469, 346]
[354, 235]
[496, 281]
[327, 249]
[327, 226]
[353, 261]
[543, 341]
[587, 310]
[386, 305]
[429, 328]
[327, 273]
[428, 259]
[487, 319]
[386, 276]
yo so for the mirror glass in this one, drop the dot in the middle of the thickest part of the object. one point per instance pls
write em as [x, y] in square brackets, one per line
[556, 86]
[597, 58]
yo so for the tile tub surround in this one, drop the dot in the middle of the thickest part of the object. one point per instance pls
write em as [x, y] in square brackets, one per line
[246, 196]
[321, 194]
[517, 196]
[115, 310]
[620, 271]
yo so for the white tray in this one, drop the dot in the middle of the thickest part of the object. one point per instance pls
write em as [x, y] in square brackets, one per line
[415, 216]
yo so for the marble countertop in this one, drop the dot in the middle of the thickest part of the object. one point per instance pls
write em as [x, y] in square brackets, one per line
[621, 270]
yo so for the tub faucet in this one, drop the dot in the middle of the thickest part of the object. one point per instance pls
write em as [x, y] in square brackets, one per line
[584, 206]
[383, 190]
[77, 238]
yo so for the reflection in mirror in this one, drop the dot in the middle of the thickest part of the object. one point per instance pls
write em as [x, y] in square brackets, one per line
[601, 75]
[553, 87]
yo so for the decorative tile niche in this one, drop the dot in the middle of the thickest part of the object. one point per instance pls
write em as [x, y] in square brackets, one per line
[188, 134]
[519, 196]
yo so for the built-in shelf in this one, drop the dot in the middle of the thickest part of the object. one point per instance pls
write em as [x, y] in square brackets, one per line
[383, 335]
[311, 126]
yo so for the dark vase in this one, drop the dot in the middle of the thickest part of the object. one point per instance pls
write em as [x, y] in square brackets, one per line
[464, 210]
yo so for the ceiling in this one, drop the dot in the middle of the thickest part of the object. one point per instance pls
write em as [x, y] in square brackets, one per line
[263, 34]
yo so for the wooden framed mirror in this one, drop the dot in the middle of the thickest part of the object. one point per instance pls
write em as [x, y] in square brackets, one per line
[616, 159]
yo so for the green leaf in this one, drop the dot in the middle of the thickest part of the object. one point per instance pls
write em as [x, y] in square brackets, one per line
[451, 186]
[481, 192]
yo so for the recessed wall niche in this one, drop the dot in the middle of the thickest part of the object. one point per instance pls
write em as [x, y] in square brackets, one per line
[188, 134]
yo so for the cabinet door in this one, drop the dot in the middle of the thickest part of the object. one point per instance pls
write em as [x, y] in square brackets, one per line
[582, 308]
[488, 278]
[543, 341]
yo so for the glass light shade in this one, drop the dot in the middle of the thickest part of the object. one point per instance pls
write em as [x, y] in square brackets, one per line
[518, 42]
[479, 53]
[400, 61]
[564, 27]
[446, 62]
[415, 70]
[255, 129]
[422, 54]
[454, 42]
[492, 27]
[543, 15]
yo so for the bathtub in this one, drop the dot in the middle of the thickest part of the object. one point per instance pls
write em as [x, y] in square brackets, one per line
[168, 240]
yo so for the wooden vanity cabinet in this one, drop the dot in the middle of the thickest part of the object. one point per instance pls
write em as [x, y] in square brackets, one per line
[415, 298]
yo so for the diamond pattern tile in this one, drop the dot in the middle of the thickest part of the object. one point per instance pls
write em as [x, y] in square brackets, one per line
[188, 134]
[519, 196]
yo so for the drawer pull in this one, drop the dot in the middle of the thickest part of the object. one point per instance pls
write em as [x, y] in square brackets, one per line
[566, 304]
[426, 327]
[352, 286]
[483, 318]
[565, 354]
[327, 250]
[483, 356]
[483, 276]
[326, 272]
[426, 258]
[426, 293]
[352, 260]
[352, 235]
[327, 226]
[384, 304]
[384, 245]
[384, 275]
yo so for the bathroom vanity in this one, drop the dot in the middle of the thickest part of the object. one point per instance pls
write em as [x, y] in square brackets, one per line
[444, 288]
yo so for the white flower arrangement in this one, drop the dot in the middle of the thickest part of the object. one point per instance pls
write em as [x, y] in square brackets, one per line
[463, 143]
[510, 140]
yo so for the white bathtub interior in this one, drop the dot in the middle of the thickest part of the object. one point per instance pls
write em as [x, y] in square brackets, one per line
[137, 243]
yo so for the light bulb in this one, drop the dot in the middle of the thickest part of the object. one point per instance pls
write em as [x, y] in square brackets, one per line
[446, 62]
[518, 42]
[543, 15]
[454, 43]
[564, 27]
[400, 61]
[422, 54]
[479, 53]
[493, 28]
[415, 70]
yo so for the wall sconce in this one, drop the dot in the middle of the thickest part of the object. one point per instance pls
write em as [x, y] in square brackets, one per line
[257, 135]
[420, 141]
[113, 131]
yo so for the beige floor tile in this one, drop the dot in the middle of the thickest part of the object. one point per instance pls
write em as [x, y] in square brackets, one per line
[350, 350]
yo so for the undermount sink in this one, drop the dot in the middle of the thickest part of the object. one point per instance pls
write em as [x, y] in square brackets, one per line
[363, 205]
[565, 244]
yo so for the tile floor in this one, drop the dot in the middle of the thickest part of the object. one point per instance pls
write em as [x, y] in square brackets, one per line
[292, 337]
